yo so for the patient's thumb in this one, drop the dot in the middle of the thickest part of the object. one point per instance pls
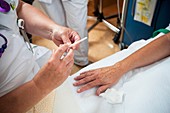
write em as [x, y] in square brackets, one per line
[101, 89]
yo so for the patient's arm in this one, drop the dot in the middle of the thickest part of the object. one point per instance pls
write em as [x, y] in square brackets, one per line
[154, 51]
[108, 76]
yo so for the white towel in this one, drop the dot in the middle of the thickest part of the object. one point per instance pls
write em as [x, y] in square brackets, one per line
[143, 90]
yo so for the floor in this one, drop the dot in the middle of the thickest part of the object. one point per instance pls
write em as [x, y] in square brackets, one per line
[100, 40]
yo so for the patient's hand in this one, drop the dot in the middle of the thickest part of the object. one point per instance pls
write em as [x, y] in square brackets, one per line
[102, 77]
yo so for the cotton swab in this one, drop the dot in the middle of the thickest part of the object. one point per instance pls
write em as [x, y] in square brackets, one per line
[83, 39]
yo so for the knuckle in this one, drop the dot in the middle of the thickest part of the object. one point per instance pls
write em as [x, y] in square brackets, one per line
[86, 79]
[60, 50]
[64, 62]
[50, 63]
[85, 87]
[90, 85]
[70, 57]
[99, 80]
[71, 63]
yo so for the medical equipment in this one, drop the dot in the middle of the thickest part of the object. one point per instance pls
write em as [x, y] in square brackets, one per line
[4, 6]
[77, 42]
[83, 39]
[4, 46]
[155, 33]
[102, 18]
[21, 26]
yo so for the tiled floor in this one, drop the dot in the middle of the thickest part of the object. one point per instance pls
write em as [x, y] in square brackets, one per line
[100, 38]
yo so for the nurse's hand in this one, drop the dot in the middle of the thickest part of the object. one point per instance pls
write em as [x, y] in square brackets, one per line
[64, 35]
[56, 70]
[102, 78]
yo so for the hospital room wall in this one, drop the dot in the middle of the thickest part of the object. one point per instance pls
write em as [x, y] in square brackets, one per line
[137, 30]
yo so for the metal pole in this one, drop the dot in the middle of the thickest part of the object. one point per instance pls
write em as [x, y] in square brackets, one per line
[123, 19]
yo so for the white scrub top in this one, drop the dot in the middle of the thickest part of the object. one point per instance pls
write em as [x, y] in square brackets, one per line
[17, 64]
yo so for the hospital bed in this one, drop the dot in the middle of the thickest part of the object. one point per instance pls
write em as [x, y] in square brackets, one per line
[145, 90]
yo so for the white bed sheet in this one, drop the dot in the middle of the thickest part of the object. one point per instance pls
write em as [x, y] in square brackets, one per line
[146, 89]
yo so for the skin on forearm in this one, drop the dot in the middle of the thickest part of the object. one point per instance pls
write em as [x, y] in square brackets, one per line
[50, 76]
[34, 22]
[152, 52]
[17, 100]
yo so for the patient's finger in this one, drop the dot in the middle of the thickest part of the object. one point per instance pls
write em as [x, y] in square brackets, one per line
[101, 89]
[84, 74]
[89, 71]
[84, 80]
[88, 86]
